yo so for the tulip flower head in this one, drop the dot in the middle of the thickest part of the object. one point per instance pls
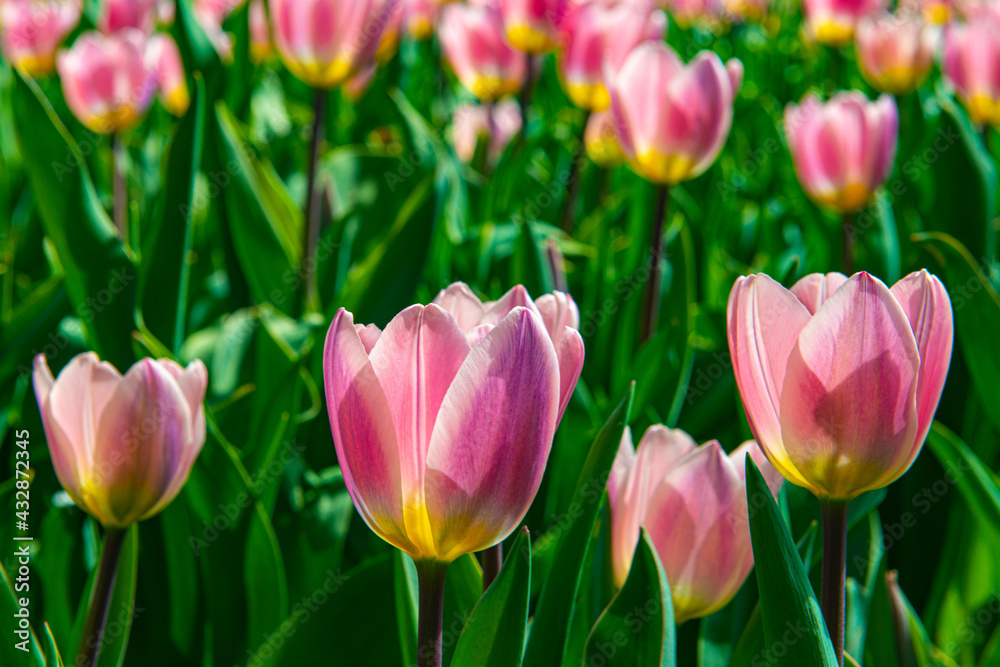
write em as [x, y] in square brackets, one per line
[472, 122]
[971, 62]
[843, 150]
[163, 58]
[122, 446]
[119, 14]
[419, 18]
[443, 422]
[325, 42]
[597, 39]
[31, 31]
[832, 22]
[689, 13]
[673, 119]
[840, 377]
[895, 52]
[260, 32]
[692, 501]
[533, 25]
[600, 140]
[474, 45]
[935, 12]
[106, 79]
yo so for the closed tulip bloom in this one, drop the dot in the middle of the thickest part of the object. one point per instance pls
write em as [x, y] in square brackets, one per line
[442, 436]
[118, 14]
[843, 150]
[840, 377]
[163, 58]
[597, 40]
[473, 43]
[533, 25]
[692, 501]
[419, 17]
[600, 139]
[673, 119]
[106, 81]
[31, 31]
[832, 22]
[472, 123]
[971, 61]
[122, 446]
[324, 42]
[895, 53]
[260, 32]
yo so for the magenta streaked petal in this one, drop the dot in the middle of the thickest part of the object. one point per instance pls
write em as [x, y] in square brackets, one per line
[816, 288]
[463, 304]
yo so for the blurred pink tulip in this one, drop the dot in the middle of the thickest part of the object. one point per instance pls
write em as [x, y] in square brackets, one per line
[118, 14]
[472, 122]
[211, 14]
[692, 501]
[31, 31]
[840, 377]
[601, 140]
[971, 61]
[935, 12]
[895, 52]
[443, 432]
[832, 22]
[163, 58]
[122, 447]
[419, 17]
[688, 13]
[325, 42]
[260, 32]
[533, 25]
[166, 11]
[673, 119]
[843, 150]
[473, 43]
[597, 40]
[746, 10]
[106, 81]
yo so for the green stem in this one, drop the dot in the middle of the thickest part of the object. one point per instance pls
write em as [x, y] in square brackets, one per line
[119, 160]
[100, 599]
[492, 561]
[651, 311]
[430, 621]
[573, 182]
[846, 225]
[310, 236]
[526, 91]
[834, 572]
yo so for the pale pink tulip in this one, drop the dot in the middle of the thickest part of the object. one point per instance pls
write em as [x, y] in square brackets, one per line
[533, 25]
[472, 40]
[163, 58]
[211, 14]
[596, 41]
[118, 14]
[692, 501]
[672, 119]
[971, 61]
[832, 22]
[260, 32]
[122, 447]
[106, 81]
[935, 12]
[840, 378]
[843, 150]
[471, 122]
[419, 17]
[895, 52]
[601, 140]
[688, 13]
[31, 31]
[443, 434]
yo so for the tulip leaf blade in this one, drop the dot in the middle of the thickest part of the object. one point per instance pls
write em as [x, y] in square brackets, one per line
[9, 606]
[53, 658]
[494, 634]
[554, 612]
[787, 601]
[404, 578]
[264, 577]
[121, 609]
[637, 629]
[964, 469]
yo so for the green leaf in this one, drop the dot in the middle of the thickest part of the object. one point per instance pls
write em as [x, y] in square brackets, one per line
[52, 656]
[121, 608]
[31, 327]
[182, 574]
[964, 469]
[494, 634]
[264, 577]
[9, 606]
[554, 610]
[637, 629]
[404, 577]
[787, 601]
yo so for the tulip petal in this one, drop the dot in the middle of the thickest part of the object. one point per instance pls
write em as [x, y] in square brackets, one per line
[463, 304]
[515, 297]
[848, 406]
[570, 355]
[492, 437]
[816, 288]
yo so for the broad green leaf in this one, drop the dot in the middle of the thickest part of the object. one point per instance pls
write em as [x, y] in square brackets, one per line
[182, 574]
[404, 577]
[264, 577]
[33, 327]
[18, 649]
[637, 629]
[53, 657]
[964, 469]
[463, 588]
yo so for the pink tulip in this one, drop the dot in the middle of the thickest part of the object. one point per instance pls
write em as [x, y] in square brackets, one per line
[118, 14]
[533, 25]
[166, 11]
[597, 40]
[843, 150]
[325, 42]
[442, 432]
[211, 14]
[260, 32]
[832, 22]
[31, 31]
[935, 12]
[163, 58]
[471, 122]
[601, 140]
[692, 501]
[840, 378]
[122, 447]
[473, 43]
[672, 119]
[688, 13]
[419, 17]
[895, 53]
[106, 81]
[971, 61]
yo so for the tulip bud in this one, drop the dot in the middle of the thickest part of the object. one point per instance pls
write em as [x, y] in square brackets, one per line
[832, 22]
[442, 432]
[673, 119]
[895, 53]
[31, 31]
[840, 378]
[119, 14]
[601, 140]
[843, 150]
[533, 25]
[597, 41]
[325, 42]
[472, 122]
[105, 80]
[163, 58]
[122, 447]
[473, 43]
[260, 32]
[692, 501]
[971, 54]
